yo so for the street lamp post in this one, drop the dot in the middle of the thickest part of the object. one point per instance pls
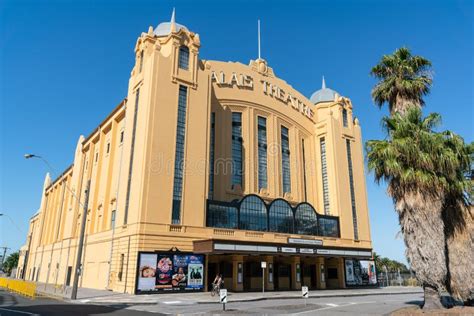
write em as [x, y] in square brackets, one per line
[83, 225]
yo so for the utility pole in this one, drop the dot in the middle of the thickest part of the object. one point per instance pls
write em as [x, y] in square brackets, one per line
[4, 254]
[83, 224]
[81, 243]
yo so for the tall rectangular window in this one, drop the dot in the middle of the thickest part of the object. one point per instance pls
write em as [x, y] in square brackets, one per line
[344, 118]
[183, 59]
[179, 155]
[121, 264]
[285, 160]
[112, 219]
[304, 171]
[351, 186]
[262, 152]
[132, 150]
[211, 155]
[141, 62]
[237, 148]
[324, 173]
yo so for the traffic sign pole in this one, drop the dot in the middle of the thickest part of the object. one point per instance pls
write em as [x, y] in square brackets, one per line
[223, 298]
[305, 293]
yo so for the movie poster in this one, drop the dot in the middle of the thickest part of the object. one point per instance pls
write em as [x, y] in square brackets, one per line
[195, 272]
[350, 280]
[147, 272]
[170, 272]
[164, 270]
[360, 272]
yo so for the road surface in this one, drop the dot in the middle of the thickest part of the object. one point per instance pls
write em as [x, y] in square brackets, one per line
[15, 305]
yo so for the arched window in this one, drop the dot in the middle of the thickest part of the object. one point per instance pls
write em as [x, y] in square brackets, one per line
[183, 61]
[253, 214]
[306, 220]
[280, 217]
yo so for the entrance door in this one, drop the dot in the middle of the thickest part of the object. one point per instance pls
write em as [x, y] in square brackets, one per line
[225, 269]
[284, 277]
[313, 276]
[247, 276]
[276, 274]
[211, 274]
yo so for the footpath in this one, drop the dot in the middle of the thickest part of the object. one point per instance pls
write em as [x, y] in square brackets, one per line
[105, 297]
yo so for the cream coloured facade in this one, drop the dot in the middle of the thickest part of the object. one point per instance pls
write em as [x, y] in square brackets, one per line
[212, 158]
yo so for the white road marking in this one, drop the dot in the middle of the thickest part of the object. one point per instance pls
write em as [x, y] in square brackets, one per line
[332, 304]
[172, 302]
[324, 308]
[19, 312]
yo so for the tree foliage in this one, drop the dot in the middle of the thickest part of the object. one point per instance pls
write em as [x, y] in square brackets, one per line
[415, 157]
[11, 262]
[403, 80]
[392, 265]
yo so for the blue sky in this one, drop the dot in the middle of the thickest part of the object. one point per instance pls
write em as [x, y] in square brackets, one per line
[64, 65]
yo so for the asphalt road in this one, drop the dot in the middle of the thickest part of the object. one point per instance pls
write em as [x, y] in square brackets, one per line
[14, 305]
[358, 305]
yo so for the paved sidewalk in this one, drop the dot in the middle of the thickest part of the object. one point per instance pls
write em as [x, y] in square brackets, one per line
[113, 298]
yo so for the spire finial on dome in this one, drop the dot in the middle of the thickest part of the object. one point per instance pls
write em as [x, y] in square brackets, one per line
[173, 18]
[173, 21]
[324, 84]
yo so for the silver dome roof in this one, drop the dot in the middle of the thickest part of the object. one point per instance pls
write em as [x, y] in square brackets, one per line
[164, 28]
[323, 95]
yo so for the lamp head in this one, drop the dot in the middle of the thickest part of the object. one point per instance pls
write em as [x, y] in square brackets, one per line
[28, 156]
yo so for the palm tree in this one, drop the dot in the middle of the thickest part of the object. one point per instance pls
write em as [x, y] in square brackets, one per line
[404, 80]
[458, 215]
[421, 168]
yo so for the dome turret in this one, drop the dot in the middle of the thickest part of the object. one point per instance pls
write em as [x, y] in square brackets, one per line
[165, 28]
[323, 95]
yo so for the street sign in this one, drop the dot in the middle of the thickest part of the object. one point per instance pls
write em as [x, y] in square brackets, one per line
[264, 264]
[304, 291]
[223, 296]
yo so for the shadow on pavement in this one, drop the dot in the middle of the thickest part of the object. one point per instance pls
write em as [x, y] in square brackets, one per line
[417, 302]
[68, 309]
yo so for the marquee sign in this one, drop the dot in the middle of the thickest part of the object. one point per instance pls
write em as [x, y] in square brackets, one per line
[268, 88]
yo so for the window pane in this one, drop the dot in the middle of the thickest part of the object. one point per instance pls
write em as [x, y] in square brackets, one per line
[351, 186]
[262, 152]
[222, 215]
[253, 214]
[285, 160]
[179, 155]
[211, 155]
[306, 220]
[281, 217]
[344, 118]
[328, 227]
[183, 62]
[324, 173]
[237, 148]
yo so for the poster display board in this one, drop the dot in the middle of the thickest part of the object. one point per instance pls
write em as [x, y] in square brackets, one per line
[165, 272]
[360, 272]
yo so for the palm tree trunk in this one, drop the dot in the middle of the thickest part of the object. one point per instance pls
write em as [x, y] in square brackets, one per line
[422, 226]
[402, 105]
[460, 247]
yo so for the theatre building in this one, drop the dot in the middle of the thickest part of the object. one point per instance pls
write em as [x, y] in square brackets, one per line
[207, 167]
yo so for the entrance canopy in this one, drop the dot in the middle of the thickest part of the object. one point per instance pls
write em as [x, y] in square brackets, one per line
[306, 247]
